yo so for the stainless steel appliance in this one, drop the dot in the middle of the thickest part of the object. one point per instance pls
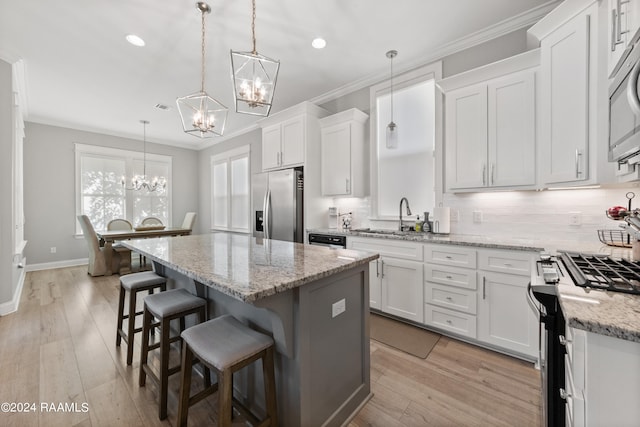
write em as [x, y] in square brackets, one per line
[590, 271]
[624, 111]
[278, 205]
[328, 240]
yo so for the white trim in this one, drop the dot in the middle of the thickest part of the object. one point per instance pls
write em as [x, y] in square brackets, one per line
[57, 264]
[12, 306]
[549, 23]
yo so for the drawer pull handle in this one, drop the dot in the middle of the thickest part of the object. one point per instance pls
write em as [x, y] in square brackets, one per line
[449, 299]
[448, 257]
[449, 277]
[449, 322]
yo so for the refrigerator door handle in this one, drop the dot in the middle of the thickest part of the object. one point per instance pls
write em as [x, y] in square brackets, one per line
[267, 214]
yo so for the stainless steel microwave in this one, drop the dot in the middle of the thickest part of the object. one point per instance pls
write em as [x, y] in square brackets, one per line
[624, 109]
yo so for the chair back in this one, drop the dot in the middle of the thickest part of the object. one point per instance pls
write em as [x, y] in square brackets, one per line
[151, 220]
[89, 233]
[189, 220]
[119, 224]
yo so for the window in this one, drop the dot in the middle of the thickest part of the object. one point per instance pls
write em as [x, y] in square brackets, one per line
[230, 178]
[412, 170]
[99, 192]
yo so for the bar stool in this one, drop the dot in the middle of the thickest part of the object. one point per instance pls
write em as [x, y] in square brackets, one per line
[167, 306]
[225, 345]
[134, 283]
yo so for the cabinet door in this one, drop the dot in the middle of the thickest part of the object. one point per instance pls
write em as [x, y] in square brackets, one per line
[511, 130]
[271, 147]
[402, 288]
[336, 160]
[617, 33]
[565, 102]
[375, 288]
[293, 140]
[466, 137]
[504, 316]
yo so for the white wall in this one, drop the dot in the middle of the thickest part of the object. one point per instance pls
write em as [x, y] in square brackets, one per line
[49, 185]
[7, 273]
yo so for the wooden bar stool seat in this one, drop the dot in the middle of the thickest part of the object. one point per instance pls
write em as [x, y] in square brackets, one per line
[134, 283]
[225, 345]
[167, 306]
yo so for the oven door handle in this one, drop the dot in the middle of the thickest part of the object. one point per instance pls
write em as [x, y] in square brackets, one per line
[531, 301]
[632, 89]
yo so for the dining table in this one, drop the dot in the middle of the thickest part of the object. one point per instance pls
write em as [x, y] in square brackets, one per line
[108, 237]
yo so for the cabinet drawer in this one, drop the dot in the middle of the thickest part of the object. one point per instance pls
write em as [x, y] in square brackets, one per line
[511, 262]
[449, 297]
[454, 276]
[459, 256]
[459, 323]
[387, 247]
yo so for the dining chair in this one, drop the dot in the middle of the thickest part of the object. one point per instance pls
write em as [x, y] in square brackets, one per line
[151, 220]
[97, 259]
[189, 220]
[121, 224]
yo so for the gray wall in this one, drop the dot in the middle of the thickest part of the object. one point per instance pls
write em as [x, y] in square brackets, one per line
[7, 282]
[49, 187]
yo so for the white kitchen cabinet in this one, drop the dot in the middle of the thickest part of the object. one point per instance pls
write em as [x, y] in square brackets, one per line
[601, 380]
[283, 144]
[623, 24]
[396, 278]
[343, 154]
[490, 126]
[505, 318]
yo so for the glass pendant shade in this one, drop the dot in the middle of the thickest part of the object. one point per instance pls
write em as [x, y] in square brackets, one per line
[392, 135]
[202, 115]
[254, 80]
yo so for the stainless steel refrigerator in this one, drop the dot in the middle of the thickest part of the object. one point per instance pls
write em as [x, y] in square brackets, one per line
[277, 205]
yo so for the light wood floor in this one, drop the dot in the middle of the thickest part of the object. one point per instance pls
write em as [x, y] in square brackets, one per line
[59, 347]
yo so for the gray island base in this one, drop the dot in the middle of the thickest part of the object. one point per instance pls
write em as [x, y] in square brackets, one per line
[313, 300]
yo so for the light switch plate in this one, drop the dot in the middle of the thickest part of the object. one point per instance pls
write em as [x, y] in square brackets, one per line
[338, 307]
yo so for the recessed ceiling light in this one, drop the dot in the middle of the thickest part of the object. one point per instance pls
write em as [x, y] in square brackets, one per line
[319, 43]
[135, 40]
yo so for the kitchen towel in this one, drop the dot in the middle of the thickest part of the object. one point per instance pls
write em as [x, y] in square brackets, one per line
[441, 220]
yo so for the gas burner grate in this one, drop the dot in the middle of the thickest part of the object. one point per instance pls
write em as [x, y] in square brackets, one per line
[603, 272]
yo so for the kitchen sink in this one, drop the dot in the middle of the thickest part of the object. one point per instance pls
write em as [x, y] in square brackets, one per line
[387, 232]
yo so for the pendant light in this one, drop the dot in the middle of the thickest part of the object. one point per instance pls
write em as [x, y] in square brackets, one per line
[140, 182]
[392, 128]
[202, 115]
[254, 77]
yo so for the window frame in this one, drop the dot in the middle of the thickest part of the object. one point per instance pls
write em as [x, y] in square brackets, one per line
[227, 157]
[431, 71]
[130, 158]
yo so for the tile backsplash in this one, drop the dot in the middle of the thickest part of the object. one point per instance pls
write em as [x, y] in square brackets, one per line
[532, 215]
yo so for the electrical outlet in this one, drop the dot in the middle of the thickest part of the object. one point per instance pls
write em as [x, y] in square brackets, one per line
[338, 307]
[454, 215]
[575, 218]
[477, 217]
[53, 249]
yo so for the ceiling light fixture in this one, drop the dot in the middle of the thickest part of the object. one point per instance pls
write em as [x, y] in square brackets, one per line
[392, 128]
[319, 43]
[201, 115]
[254, 77]
[135, 40]
[140, 182]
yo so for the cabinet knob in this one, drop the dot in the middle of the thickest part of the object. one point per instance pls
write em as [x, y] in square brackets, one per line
[449, 277]
[449, 322]
[448, 257]
[449, 299]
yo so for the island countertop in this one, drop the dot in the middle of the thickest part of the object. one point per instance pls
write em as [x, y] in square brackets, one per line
[245, 267]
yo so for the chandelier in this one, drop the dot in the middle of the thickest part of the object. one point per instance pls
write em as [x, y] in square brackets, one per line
[140, 182]
[392, 128]
[201, 115]
[254, 77]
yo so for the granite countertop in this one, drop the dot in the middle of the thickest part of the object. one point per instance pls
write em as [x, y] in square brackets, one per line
[244, 267]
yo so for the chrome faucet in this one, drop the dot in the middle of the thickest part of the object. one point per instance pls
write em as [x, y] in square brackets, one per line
[404, 199]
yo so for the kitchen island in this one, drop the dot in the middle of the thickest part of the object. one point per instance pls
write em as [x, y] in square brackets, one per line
[313, 300]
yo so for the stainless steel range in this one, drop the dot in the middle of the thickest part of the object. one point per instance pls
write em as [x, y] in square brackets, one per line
[595, 272]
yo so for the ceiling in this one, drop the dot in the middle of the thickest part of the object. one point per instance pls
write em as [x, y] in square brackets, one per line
[81, 73]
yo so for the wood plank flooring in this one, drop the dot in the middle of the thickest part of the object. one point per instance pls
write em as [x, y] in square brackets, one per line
[59, 348]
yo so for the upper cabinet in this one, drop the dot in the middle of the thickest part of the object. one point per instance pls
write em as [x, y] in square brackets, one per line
[572, 126]
[285, 136]
[624, 21]
[343, 168]
[490, 126]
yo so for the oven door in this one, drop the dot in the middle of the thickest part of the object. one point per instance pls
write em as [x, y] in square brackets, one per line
[624, 109]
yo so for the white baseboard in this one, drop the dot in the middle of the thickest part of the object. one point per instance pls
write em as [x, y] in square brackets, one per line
[57, 264]
[12, 306]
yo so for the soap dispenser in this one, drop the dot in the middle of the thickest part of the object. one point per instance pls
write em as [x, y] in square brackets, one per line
[419, 223]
